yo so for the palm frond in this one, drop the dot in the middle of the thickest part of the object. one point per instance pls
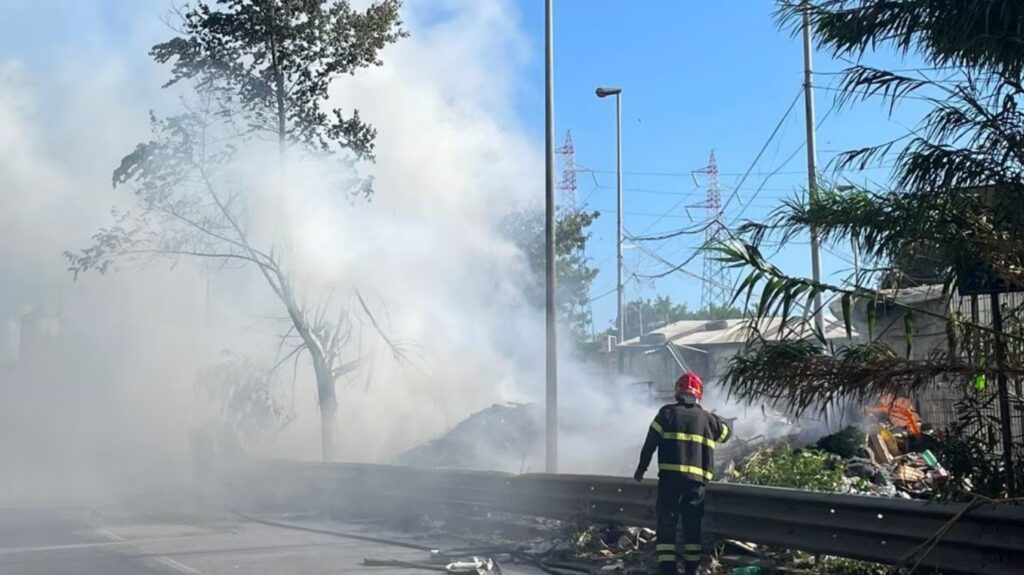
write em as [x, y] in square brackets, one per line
[802, 376]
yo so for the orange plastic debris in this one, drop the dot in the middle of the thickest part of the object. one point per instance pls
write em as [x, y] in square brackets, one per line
[901, 413]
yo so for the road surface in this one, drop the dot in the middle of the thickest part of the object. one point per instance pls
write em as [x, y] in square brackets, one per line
[118, 540]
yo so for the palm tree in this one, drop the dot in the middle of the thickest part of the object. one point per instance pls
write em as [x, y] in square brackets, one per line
[958, 190]
[957, 196]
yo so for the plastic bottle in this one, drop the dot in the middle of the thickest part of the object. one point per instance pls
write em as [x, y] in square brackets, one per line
[748, 570]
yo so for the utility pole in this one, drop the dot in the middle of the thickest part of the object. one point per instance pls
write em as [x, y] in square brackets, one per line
[551, 357]
[618, 218]
[812, 165]
[621, 312]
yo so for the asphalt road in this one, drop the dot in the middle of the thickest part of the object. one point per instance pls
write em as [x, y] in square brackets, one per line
[60, 541]
[86, 540]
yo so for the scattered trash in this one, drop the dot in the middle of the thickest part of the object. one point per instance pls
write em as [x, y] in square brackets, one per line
[908, 474]
[891, 456]
[405, 564]
[790, 562]
[866, 469]
[879, 450]
[612, 567]
[750, 548]
[891, 443]
[475, 565]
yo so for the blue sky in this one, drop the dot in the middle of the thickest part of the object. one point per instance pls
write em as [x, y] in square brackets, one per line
[696, 75]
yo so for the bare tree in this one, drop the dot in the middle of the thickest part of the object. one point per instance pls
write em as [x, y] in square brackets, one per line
[258, 67]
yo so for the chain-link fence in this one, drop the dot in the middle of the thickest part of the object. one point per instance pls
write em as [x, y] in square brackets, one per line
[942, 404]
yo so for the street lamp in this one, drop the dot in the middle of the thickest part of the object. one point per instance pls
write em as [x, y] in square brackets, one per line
[551, 357]
[604, 92]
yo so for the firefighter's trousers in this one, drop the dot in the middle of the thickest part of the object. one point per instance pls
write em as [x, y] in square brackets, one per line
[679, 497]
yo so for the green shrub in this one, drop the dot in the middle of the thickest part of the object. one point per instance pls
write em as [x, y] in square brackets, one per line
[783, 466]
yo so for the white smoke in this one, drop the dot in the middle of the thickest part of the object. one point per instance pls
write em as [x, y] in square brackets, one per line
[452, 159]
[101, 402]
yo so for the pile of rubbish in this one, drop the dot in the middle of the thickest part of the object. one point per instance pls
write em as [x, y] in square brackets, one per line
[890, 454]
[504, 437]
[565, 548]
[499, 540]
[509, 437]
[888, 466]
[614, 547]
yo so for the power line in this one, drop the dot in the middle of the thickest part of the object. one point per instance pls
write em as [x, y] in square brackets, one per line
[586, 200]
[645, 214]
[685, 231]
[863, 93]
[665, 215]
[677, 268]
[764, 147]
[669, 193]
[839, 255]
[690, 174]
[598, 185]
[673, 255]
[899, 70]
[739, 186]
[605, 294]
[782, 165]
[674, 268]
[710, 223]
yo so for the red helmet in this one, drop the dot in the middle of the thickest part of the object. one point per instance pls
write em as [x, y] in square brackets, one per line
[690, 383]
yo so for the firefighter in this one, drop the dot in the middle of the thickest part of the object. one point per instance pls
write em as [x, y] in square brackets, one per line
[685, 435]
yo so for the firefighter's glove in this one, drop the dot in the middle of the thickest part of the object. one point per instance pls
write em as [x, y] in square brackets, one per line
[638, 475]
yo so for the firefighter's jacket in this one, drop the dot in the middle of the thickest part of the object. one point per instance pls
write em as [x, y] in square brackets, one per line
[685, 436]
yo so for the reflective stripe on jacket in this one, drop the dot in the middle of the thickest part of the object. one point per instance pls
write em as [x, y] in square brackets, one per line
[685, 436]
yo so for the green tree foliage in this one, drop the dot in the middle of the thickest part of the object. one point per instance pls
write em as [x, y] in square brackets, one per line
[957, 198]
[258, 67]
[275, 60]
[526, 229]
[972, 450]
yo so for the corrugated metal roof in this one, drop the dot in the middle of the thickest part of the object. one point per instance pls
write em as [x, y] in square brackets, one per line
[699, 333]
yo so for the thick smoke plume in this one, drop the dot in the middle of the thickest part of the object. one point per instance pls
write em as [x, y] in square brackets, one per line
[104, 399]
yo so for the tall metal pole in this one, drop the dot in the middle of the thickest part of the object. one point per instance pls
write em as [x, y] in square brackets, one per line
[812, 165]
[856, 261]
[618, 225]
[1004, 398]
[551, 359]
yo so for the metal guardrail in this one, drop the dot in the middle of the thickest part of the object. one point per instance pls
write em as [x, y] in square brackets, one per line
[986, 540]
